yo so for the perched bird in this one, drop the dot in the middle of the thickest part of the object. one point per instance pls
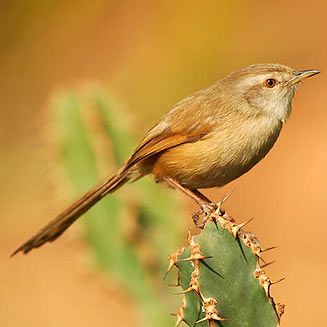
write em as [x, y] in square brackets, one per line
[208, 139]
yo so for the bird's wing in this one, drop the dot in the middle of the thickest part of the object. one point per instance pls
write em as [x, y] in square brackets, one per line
[158, 143]
[186, 123]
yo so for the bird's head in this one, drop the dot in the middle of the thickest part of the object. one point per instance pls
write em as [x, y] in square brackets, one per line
[267, 89]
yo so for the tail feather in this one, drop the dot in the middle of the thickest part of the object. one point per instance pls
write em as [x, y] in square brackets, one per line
[58, 225]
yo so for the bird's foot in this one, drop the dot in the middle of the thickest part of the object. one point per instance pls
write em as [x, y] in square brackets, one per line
[205, 209]
[208, 208]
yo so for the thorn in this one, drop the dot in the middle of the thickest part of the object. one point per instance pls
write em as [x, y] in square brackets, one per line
[267, 264]
[173, 259]
[201, 320]
[240, 246]
[235, 228]
[212, 317]
[180, 313]
[215, 222]
[166, 274]
[188, 290]
[245, 223]
[261, 258]
[211, 269]
[194, 257]
[226, 197]
[199, 295]
[179, 321]
[221, 212]
[268, 249]
[278, 281]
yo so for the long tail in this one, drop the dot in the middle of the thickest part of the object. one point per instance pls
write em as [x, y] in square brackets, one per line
[59, 224]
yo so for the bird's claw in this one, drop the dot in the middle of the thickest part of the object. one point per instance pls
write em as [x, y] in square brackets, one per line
[209, 208]
[206, 209]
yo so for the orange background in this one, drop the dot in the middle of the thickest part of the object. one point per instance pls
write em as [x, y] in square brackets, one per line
[151, 54]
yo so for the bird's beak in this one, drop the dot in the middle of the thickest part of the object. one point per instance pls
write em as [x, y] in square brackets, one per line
[300, 75]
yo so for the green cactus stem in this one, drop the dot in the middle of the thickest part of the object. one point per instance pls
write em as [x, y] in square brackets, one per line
[222, 280]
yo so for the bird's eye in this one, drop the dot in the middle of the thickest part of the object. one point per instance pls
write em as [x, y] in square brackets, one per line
[270, 82]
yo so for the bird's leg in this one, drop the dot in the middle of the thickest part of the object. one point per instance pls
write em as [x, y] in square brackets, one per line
[201, 195]
[207, 201]
[195, 195]
[205, 204]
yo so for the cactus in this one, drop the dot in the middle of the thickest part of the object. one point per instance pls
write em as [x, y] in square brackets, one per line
[222, 280]
[129, 230]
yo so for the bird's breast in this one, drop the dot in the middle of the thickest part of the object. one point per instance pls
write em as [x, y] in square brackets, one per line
[221, 156]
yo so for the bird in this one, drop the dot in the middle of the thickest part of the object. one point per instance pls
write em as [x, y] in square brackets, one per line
[206, 140]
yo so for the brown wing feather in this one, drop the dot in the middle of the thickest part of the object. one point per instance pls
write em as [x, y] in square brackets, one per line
[164, 141]
[187, 122]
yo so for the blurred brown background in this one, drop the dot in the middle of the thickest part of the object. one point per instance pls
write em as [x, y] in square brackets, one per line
[151, 54]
